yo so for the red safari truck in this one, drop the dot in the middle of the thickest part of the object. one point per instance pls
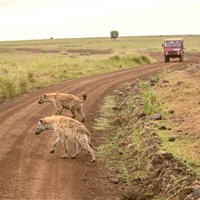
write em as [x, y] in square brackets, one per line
[173, 48]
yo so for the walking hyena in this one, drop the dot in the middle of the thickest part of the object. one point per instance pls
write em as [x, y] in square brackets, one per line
[67, 129]
[65, 101]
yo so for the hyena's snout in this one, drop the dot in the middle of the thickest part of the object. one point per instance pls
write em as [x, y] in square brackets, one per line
[37, 131]
[40, 101]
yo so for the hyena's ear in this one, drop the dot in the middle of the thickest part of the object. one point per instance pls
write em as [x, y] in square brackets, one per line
[42, 121]
[45, 96]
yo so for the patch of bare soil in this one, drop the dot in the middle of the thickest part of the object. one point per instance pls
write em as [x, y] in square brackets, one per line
[28, 171]
[180, 93]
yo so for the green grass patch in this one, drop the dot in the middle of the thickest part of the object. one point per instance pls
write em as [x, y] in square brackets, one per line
[106, 111]
[149, 98]
[121, 142]
[151, 106]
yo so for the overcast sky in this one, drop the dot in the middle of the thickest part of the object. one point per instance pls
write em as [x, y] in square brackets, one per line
[42, 19]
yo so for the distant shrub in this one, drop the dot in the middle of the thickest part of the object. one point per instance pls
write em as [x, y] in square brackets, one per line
[123, 61]
[146, 59]
[142, 59]
[137, 60]
[115, 58]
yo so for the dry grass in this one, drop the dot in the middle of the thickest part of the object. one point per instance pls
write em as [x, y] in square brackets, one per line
[27, 65]
[182, 94]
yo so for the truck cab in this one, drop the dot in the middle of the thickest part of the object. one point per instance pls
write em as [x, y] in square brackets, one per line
[173, 48]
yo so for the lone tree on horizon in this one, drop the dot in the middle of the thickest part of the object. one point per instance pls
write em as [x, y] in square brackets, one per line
[114, 35]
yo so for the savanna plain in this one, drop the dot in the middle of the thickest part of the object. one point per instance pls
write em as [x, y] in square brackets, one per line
[143, 115]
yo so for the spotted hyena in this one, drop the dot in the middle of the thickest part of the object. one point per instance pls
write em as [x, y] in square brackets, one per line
[63, 101]
[66, 129]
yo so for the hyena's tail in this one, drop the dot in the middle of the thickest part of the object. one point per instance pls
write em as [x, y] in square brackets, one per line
[84, 97]
[89, 141]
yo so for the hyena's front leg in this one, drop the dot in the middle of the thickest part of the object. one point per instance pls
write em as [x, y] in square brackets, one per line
[64, 145]
[54, 145]
[59, 111]
[78, 146]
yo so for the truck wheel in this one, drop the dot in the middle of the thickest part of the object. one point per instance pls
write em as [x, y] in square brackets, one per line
[166, 59]
[181, 58]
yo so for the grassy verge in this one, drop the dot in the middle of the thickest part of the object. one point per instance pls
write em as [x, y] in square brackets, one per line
[116, 149]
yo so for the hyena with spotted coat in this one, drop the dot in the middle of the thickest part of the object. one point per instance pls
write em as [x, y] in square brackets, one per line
[66, 129]
[63, 101]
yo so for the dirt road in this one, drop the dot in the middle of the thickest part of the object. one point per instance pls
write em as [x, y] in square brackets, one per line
[28, 171]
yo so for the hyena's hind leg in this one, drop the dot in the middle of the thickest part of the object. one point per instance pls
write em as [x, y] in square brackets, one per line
[84, 142]
[73, 113]
[78, 146]
[80, 111]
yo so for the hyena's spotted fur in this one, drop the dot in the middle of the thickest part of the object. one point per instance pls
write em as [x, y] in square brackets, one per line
[63, 101]
[65, 129]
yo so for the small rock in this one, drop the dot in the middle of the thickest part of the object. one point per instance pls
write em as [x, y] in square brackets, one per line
[153, 82]
[179, 82]
[156, 116]
[171, 139]
[114, 180]
[160, 157]
[142, 114]
[171, 111]
[179, 131]
[196, 194]
[116, 108]
[163, 128]
[165, 81]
